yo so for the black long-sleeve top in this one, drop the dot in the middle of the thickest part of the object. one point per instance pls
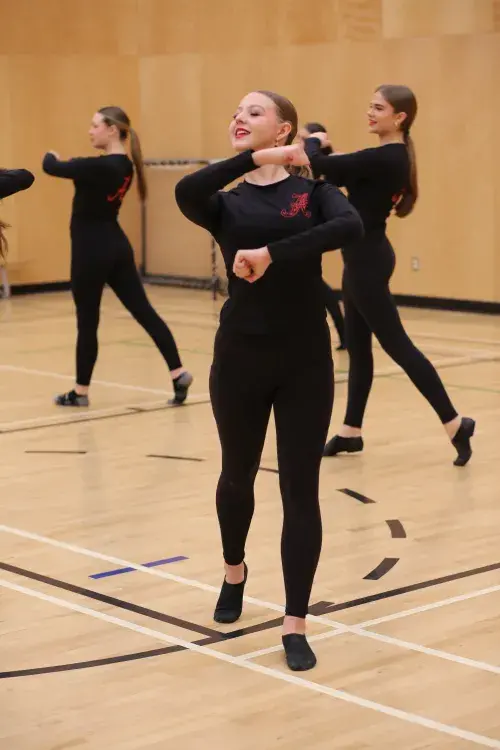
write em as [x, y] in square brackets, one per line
[14, 180]
[374, 178]
[101, 183]
[298, 219]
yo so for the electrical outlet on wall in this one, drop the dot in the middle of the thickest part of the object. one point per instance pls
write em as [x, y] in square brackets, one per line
[415, 263]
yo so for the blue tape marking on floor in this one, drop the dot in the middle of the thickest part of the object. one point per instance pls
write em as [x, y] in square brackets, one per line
[153, 564]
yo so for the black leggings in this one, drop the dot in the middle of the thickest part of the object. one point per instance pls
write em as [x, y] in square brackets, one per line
[370, 308]
[333, 307]
[250, 376]
[101, 254]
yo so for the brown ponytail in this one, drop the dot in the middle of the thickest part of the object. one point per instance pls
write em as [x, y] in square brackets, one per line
[402, 99]
[136, 152]
[4, 245]
[410, 196]
[116, 116]
[302, 171]
[287, 113]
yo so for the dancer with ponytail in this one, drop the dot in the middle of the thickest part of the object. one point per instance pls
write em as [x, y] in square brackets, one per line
[381, 180]
[11, 181]
[101, 252]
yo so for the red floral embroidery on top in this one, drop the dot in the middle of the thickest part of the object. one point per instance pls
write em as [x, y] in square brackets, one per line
[120, 194]
[398, 196]
[299, 204]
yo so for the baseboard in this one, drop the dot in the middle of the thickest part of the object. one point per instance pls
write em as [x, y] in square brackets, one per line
[187, 282]
[53, 286]
[444, 303]
[190, 282]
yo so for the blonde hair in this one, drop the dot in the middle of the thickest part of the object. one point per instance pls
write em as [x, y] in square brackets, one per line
[287, 113]
[4, 245]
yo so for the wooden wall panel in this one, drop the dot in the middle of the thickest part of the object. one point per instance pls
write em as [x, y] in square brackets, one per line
[360, 20]
[176, 247]
[168, 27]
[464, 166]
[495, 165]
[295, 23]
[453, 142]
[172, 118]
[419, 18]
[69, 27]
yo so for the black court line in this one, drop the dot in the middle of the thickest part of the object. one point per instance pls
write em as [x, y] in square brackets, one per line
[151, 613]
[408, 589]
[69, 453]
[397, 529]
[102, 662]
[357, 496]
[265, 468]
[92, 663]
[323, 608]
[314, 609]
[382, 569]
[175, 458]
[130, 411]
[320, 608]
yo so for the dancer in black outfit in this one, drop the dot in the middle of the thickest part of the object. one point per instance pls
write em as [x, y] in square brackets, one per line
[331, 299]
[275, 308]
[378, 181]
[101, 252]
[12, 181]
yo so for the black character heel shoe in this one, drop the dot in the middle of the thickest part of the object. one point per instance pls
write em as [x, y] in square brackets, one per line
[230, 603]
[461, 441]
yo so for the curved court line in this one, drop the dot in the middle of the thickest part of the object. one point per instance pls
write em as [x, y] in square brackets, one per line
[217, 637]
[397, 532]
[359, 629]
[333, 625]
[357, 496]
[414, 587]
[92, 663]
[397, 529]
[287, 677]
[382, 569]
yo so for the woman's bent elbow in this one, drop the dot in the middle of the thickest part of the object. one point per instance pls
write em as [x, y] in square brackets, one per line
[356, 227]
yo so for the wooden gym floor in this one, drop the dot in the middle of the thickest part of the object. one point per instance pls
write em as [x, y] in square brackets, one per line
[407, 594]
